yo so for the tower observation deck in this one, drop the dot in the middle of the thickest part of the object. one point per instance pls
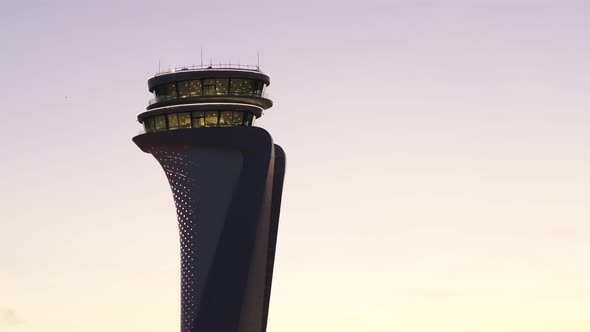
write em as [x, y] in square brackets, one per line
[198, 97]
[226, 178]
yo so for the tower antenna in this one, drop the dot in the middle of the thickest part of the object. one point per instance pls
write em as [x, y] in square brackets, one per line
[258, 59]
[159, 69]
[201, 57]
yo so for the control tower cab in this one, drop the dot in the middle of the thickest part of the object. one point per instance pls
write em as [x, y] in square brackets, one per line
[199, 97]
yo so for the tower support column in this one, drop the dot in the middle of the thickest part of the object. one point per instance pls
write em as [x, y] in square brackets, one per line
[227, 186]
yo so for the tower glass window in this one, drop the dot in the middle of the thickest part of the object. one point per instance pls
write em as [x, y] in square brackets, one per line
[190, 89]
[183, 89]
[160, 122]
[172, 121]
[209, 87]
[248, 87]
[180, 120]
[226, 119]
[184, 120]
[198, 119]
[150, 125]
[248, 119]
[241, 87]
[262, 94]
[166, 91]
[195, 88]
[221, 86]
[211, 119]
[238, 118]
[259, 88]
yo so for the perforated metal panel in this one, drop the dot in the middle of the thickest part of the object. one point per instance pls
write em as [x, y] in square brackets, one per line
[178, 171]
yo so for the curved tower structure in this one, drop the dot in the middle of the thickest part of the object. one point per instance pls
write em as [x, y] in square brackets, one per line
[226, 177]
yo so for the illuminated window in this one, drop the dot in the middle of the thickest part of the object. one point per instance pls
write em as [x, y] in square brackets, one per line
[238, 118]
[166, 91]
[236, 87]
[209, 87]
[173, 121]
[160, 122]
[150, 125]
[221, 86]
[183, 89]
[226, 119]
[195, 88]
[198, 119]
[184, 120]
[248, 87]
[211, 119]
[241, 87]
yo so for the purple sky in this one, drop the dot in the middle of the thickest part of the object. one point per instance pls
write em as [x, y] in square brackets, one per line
[438, 163]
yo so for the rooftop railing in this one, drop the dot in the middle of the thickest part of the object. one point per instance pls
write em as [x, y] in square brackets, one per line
[209, 66]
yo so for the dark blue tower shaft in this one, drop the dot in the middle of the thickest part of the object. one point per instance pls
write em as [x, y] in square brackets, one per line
[227, 187]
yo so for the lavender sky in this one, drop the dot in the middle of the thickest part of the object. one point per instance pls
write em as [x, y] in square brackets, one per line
[438, 162]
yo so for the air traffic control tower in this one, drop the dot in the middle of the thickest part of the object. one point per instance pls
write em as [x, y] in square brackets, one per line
[227, 178]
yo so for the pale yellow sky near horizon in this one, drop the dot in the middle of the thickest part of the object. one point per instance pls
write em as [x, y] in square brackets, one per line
[437, 162]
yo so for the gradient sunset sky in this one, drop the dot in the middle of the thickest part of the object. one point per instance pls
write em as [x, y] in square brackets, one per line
[438, 174]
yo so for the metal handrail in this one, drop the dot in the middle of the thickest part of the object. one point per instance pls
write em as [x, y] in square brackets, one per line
[209, 66]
